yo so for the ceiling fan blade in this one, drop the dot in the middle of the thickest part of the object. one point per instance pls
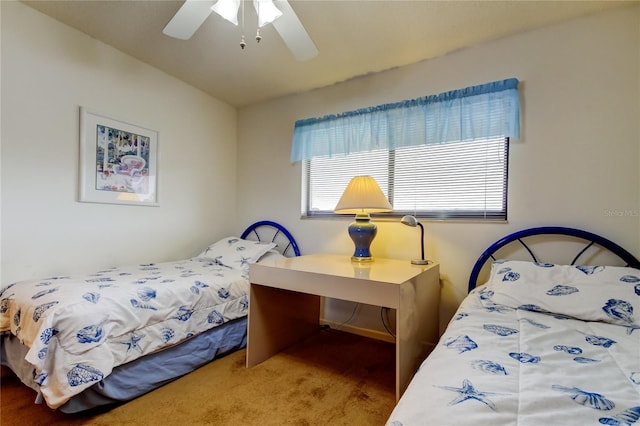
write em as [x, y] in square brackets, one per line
[188, 19]
[293, 33]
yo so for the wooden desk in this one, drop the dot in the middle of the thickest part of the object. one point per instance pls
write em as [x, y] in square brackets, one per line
[284, 303]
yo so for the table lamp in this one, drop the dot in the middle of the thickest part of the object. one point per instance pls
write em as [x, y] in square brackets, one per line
[361, 197]
[412, 221]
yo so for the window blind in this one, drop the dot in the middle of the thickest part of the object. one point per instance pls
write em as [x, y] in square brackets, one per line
[457, 180]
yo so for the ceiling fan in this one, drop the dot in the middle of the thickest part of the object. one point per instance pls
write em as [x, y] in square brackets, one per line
[193, 13]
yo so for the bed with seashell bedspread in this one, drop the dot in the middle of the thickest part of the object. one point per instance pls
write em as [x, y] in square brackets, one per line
[91, 340]
[539, 344]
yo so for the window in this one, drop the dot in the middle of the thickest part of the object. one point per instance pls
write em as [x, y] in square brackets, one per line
[454, 180]
[440, 156]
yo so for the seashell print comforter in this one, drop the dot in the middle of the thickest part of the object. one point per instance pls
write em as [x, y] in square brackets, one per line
[79, 328]
[539, 344]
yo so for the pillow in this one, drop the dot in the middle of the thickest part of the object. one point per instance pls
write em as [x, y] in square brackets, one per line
[271, 256]
[590, 293]
[235, 252]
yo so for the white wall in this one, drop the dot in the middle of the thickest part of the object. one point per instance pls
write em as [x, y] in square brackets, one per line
[48, 71]
[577, 159]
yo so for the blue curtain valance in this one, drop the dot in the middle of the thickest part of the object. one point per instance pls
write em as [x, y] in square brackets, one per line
[487, 110]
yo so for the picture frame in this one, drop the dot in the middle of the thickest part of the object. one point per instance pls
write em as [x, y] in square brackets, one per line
[118, 161]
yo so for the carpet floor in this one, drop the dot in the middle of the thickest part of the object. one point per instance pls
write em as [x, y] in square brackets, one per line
[333, 378]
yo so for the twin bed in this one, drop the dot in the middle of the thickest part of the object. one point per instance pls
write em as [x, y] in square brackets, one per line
[87, 341]
[539, 343]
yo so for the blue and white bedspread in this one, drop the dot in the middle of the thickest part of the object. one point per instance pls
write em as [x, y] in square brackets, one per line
[79, 328]
[539, 344]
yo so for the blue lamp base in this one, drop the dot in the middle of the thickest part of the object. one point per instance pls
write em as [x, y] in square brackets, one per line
[362, 232]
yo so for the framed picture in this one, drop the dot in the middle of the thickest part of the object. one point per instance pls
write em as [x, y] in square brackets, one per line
[118, 161]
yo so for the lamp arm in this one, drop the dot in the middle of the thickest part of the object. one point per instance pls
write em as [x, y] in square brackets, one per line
[421, 239]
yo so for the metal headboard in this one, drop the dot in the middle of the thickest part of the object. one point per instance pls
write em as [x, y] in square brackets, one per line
[266, 230]
[589, 238]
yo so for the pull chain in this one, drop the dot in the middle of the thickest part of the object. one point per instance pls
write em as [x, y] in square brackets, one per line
[243, 44]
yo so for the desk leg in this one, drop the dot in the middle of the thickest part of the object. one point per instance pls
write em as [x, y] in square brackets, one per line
[277, 319]
[416, 325]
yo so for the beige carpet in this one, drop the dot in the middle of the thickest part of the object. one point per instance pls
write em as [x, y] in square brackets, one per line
[334, 378]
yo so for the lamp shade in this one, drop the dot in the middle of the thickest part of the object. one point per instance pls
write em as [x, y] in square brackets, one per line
[363, 195]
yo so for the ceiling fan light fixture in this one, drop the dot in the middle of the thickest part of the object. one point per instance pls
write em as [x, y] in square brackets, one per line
[267, 12]
[228, 9]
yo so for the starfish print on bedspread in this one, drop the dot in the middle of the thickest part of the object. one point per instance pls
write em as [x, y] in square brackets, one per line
[133, 342]
[467, 391]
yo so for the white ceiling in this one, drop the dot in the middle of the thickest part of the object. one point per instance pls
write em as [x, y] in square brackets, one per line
[355, 38]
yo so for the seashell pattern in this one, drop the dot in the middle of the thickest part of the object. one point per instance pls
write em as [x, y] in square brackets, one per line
[573, 350]
[500, 330]
[590, 270]
[39, 378]
[244, 303]
[487, 366]
[47, 334]
[461, 344]
[619, 309]
[511, 276]
[599, 341]
[82, 374]
[100, 280]
[4, 305]
[137, 304]
[4, 289]
[184, 313]
[626, 418]
[215, 317]
[147, 293]
[524, 357]
[90, 334]
[41, 309]
[535, 323]
[44, 293]
[562, 290]
[92, 297]
[588, 399]
[167, 334]
[583, 360]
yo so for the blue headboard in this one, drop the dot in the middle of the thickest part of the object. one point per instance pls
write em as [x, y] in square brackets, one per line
[266, 230]
[590, 239]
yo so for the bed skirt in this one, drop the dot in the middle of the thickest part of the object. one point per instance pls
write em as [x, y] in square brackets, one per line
[158, 369]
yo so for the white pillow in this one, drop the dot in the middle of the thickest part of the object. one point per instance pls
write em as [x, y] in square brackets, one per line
[271, 256]
[590, 293]
[235, 252]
